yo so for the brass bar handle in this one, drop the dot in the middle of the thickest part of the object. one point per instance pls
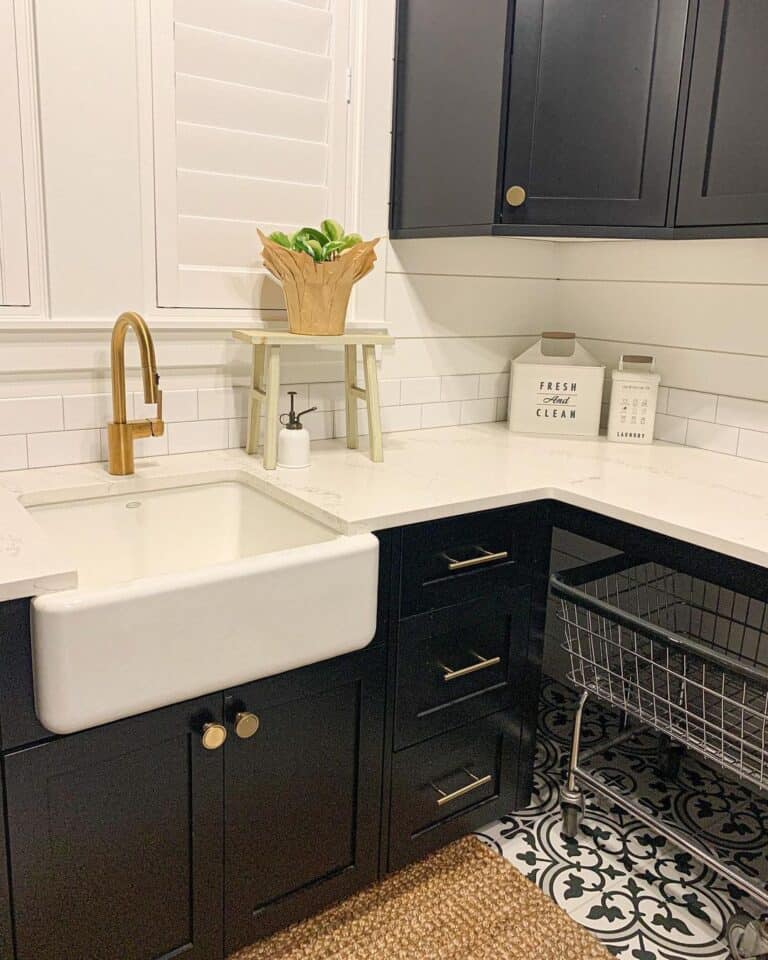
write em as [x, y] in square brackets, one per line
[485, 557]
[483, 663]
[476, 783]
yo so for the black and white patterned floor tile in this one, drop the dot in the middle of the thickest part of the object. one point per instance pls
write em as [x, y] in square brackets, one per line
[643, 898]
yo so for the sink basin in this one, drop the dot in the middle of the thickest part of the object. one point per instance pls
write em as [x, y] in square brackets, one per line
[189, 590]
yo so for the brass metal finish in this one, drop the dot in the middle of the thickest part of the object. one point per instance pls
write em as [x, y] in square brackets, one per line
[558, 335]
[214, 735]
[483, 663]
[475, 784]
[121, 432]
[246, 725]
[516, 196]
[485, 557]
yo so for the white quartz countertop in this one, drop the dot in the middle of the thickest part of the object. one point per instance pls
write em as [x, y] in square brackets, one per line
[703, 498]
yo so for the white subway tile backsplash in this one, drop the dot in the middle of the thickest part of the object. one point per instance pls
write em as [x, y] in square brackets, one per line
[91, 410]
[460, 388]
[446, 414]
[420, 390]
[218, 403]
[198, 435]
[478, 411]
[327, 396]
[502, 408]
[340, 423]
[671, 429]
[63, 446]
[389, 393]
[319, 423]
[689, 403]
[13, 452]
[753, 445]
[148, 446]
[400, 418]
[237, 432]
[663, 399]
[736, 412]
[31, 415]
[178, 405]
[494, 385]
[712, 436]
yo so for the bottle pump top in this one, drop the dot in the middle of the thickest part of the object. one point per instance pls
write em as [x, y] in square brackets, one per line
[294, 419]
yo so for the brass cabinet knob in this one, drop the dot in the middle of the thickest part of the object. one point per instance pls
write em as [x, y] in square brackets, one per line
[246, 725]
[516, 196]
[214, 735]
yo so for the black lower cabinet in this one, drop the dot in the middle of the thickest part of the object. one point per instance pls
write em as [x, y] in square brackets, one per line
[302, 795]
[447, 786]
[115, 840]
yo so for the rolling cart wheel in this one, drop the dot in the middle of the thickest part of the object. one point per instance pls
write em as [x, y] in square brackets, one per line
[746, 937]
[669, 759]
[571, 819]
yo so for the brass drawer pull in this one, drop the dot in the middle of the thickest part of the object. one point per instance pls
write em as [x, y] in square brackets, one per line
[485, 557]
[483, 663]
[476, 783]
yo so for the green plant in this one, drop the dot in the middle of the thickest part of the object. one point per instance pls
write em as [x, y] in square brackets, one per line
[327, 243]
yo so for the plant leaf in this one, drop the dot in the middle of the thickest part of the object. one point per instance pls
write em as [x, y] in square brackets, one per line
[302, 245]
[351, 239]
[332, 247]
[282, 238]
[332, 229]
[309, 233]
[316, 249]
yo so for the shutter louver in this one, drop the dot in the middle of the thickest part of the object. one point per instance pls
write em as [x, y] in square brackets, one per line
[249, 99]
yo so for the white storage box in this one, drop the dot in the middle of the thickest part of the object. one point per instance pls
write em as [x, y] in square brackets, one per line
[556, 388]
[634, 393]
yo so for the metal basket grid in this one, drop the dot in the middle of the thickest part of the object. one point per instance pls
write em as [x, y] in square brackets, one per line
[683, 655]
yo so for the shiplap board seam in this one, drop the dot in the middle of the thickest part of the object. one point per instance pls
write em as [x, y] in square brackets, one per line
[244, 176]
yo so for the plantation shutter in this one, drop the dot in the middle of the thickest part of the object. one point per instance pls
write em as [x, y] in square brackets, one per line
[14, 262]
[250, 103]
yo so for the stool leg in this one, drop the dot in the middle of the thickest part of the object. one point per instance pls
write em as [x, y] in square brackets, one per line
[254, 404]
[372, 402]
[350, 374]
[272, 389]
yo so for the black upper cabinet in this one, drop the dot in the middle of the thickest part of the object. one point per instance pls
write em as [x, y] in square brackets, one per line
[724, 175]
[592, 106]
[302, 796]
[115, 840]
[449, 103]
[634, 118]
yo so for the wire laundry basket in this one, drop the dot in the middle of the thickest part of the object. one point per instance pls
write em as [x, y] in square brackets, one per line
[684, 656]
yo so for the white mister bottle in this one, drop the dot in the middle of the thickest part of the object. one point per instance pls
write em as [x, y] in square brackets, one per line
[293, 439]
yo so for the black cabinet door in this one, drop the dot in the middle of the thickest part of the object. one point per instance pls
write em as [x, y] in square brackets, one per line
[6, 936]
[302, 795]
[724, 175]
[594, 88]
[449, 92]
[115, 840]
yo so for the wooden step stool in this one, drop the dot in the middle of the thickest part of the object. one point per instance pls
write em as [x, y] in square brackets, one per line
[265, 385]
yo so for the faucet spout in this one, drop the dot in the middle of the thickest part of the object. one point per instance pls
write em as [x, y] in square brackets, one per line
[121, 432]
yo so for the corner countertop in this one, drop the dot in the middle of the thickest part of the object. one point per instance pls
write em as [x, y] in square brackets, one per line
[707, 499]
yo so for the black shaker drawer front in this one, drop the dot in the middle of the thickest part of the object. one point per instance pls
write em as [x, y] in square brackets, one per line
[451, 784]
[458, 664]
[448, 561]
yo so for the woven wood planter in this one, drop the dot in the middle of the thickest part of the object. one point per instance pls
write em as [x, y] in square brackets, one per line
[317, 294]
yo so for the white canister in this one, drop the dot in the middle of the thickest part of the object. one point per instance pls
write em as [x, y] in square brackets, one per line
[634, 394]
[557, 388]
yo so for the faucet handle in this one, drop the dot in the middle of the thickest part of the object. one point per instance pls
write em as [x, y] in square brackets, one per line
[156, 424]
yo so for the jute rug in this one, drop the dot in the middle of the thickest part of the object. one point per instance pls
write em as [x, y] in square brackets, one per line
[465, 902]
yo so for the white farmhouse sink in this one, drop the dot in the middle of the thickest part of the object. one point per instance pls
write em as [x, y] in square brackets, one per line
[190, 590]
